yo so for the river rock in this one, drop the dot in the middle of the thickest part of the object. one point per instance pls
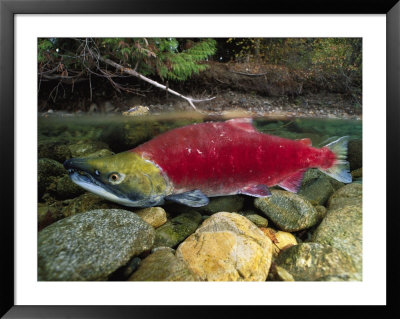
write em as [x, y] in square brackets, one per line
[84, 203]
[317, 191]
[255, 218]
[48, 214]
[357, 173]
[155, 216]
[342, 229]
[227, 247]
[92, 245]
[350, 194]
[66, 188]
[314, 261]
[223, 204]
[84, 148]
[99, 153]
[48, 171]
[290, 212]
[354, 154]
[162, 265]
[54, 150]
[280, 240]
[177, 229]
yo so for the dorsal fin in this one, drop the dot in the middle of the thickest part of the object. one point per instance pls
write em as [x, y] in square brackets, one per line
[305, 141]
[245, 124]
[293, 183]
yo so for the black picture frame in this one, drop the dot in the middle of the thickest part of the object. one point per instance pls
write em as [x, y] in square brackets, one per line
[8, 10]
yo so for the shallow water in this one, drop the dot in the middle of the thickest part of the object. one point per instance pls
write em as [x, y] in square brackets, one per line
[61, 136]
[123, 131]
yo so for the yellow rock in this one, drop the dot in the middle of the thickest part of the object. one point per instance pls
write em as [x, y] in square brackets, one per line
[137, 111]
[227, 247]
[280, 240]
[155, 216]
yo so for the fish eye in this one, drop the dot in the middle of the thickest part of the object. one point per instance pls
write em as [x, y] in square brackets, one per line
[116, 178]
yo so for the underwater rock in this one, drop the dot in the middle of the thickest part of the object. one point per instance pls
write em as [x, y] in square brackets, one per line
[124, 272]
[100, 153]
[315, 174]
[47, 215]
[314, 261]
[54, 150]
[92, 245]
[222, 204]
[67, 189]
[162, 265]
[350, 194]
[280, 240]
[256, 219]
[354, 154]
[317, 191]
[84, 148]
[155, 216]
[227, 247]
[290, 212]
[177, 229]
[86, 202]
[342, 229]
[48, 170]
[357, 173]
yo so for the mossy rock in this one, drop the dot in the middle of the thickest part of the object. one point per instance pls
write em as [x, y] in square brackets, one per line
[92, 245]
[342, 229]
[86, 202]
[54, 150]
[162, 265]
[348, 195]
[177, 229]
[290, 212]
[314, 261]
[222, 204]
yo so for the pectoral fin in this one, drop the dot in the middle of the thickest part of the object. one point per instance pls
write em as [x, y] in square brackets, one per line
[193, 198]
[256, 191]
[293, 183]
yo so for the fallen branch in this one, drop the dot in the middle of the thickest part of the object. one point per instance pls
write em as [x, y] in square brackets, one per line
[249, 74]
[142, 77]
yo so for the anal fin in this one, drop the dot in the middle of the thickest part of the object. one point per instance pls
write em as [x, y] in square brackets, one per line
[193, 198]
[256, 191]
[293, 182]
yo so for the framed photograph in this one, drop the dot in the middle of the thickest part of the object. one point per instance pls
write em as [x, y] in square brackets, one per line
[295, 70]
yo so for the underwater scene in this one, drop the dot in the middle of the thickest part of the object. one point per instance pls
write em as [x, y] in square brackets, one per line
[200, 197]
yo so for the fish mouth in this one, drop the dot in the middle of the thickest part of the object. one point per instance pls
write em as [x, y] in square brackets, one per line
[78, 172]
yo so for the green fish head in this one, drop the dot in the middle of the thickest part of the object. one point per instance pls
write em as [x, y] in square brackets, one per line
[125, 178]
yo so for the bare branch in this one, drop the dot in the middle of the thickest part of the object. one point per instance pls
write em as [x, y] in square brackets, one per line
[249, 74]
[146, 79]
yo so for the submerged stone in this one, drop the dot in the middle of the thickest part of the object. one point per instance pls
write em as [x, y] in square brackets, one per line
[350, 194]
[290, 212]
[314, 261]
[227, 247]
[177, 229]
[342, 229]
[92, 245]
[223, 204]
[162, 265]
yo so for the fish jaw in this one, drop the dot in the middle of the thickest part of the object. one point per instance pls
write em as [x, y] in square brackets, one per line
[142, 182]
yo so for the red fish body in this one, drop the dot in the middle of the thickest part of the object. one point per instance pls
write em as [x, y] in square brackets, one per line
[231, 157]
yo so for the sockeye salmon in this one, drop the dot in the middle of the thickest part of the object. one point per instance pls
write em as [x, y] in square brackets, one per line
[189, 164]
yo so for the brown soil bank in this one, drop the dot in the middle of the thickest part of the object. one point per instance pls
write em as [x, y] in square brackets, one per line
[252, 87]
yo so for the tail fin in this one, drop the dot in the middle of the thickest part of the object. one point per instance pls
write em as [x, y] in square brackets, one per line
[341, 169]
